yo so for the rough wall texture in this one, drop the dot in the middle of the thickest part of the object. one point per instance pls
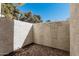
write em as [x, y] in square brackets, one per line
[74, 30]
[6, 36]
[21, 32]
[29, 39]
[53, 34]
[14, 34]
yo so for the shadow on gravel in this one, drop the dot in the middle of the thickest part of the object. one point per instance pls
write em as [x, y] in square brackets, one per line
[38, 50]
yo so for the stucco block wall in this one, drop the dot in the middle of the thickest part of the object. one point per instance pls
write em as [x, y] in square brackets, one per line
[74, 37]
[6, 36]
[74, 30]
[29, 39]
[21, 32]
[14, 34]
[53, 34]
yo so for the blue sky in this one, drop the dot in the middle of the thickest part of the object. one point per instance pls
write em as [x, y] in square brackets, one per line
[48, 11]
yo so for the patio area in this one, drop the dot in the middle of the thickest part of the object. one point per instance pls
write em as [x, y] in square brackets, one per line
[38, 50]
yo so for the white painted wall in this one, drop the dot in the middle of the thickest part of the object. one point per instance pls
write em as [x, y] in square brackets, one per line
[21, 30]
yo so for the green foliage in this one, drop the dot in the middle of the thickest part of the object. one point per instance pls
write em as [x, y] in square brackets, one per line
[9, 10]
[29, 17]
[48, 21]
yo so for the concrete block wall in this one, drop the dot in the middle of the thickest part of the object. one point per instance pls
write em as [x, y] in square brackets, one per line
[6, 36]
[14, 34]
[74, 30]
[21, 32]
[74, 37]
[53, 34]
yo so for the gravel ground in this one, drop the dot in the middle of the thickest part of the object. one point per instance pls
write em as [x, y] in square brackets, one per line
[38, 50]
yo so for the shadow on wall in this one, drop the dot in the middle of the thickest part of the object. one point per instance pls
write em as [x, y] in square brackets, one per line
[19, 34]
[29, 38]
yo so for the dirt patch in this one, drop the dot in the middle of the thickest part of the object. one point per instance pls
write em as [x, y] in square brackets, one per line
[38, 50]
